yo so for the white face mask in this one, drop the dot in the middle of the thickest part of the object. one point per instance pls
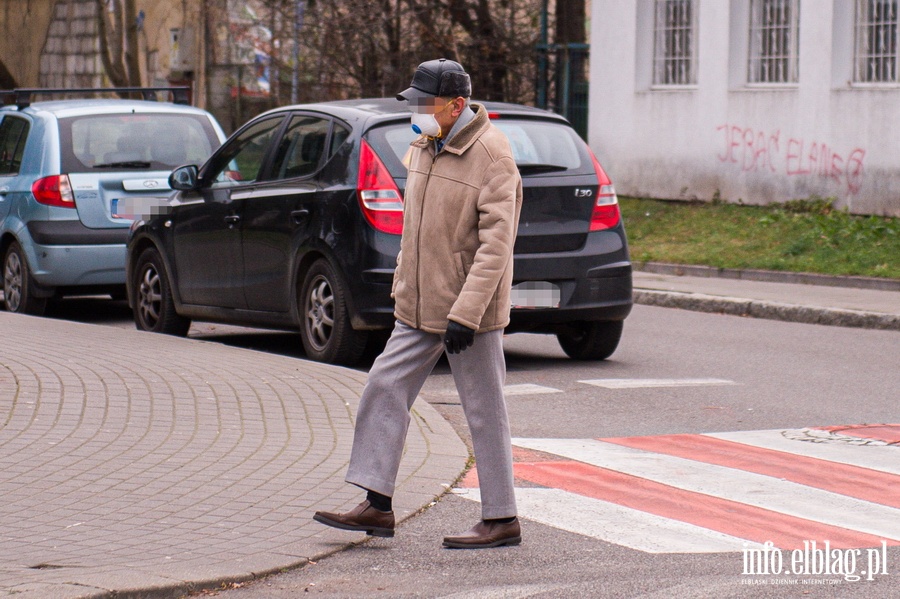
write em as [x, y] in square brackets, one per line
[425, 124]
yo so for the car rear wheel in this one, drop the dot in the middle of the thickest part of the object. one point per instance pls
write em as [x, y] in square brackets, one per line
[18, 286]
[154, 306]
[591, 340]
[325, 325]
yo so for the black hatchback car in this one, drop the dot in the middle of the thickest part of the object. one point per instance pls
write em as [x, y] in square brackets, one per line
[295, 222]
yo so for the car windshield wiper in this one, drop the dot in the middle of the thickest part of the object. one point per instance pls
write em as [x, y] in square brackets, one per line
[126, 164]
[534, 168]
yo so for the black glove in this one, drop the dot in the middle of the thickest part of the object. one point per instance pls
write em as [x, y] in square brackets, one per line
[458, 337]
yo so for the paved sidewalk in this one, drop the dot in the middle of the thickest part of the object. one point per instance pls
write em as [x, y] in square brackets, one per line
[823, 303]
[134, 464]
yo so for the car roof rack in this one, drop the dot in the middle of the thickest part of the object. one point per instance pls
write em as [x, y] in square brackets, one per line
[180, 95]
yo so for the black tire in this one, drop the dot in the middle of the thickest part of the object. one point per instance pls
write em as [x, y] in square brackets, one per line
[591, 340]
[154, 306]
[325, 325]
[18, 285]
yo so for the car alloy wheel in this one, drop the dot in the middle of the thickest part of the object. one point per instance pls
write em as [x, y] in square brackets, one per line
[320, 313]
[18, 290]
[154, 306]
[12, 282]
[325, 327]
[149, 296]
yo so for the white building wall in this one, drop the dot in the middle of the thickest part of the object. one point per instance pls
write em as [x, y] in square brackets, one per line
[723, 138]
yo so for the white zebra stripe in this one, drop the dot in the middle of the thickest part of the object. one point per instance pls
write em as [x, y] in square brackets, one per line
[617, 524]
[885, 458]
[651, 383]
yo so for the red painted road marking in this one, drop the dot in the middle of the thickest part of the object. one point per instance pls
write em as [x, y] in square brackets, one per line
[470, 480]
[520, 454]
[852, 481]
[729, 517]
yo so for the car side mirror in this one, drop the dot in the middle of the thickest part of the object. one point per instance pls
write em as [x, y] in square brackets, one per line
[184, 178]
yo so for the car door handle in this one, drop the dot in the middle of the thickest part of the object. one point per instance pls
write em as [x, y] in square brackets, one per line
[232, 220]
[300, 216]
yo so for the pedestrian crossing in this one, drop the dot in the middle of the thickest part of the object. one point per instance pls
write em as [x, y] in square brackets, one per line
[706, 493]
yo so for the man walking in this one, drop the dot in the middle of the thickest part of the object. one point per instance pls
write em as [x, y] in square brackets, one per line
[452, 293]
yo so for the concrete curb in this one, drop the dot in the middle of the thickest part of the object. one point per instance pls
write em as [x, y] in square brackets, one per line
[699, 302]
[769, 276]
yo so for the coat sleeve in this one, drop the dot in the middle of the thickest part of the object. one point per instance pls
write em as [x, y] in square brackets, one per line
[497, 215]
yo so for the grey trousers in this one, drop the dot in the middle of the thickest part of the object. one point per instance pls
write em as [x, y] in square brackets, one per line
[394, 383]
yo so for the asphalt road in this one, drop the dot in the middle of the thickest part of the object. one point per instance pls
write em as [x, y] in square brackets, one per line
[780, 375]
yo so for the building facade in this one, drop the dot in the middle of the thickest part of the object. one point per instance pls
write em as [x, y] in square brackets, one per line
[56, 43]
[753, 101]
[218, 48]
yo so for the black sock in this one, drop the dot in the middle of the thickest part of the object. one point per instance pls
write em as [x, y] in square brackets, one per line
[378, 501]
[501, 520]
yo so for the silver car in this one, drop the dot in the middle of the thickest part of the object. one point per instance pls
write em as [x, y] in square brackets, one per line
[73, 173]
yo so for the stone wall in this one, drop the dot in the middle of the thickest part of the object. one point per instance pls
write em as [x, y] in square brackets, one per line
[54, 43]
[71, 54]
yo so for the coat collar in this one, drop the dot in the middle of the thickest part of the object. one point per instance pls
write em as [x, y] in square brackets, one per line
[464, 139]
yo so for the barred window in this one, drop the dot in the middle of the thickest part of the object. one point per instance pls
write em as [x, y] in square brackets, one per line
[876, 41]
[774, 33]
[675, 45]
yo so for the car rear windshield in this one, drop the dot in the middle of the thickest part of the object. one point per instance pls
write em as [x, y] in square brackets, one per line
[152, 141]
[540, 147]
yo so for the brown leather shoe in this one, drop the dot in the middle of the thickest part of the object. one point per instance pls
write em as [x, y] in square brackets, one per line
[362, 518]
[487, 534]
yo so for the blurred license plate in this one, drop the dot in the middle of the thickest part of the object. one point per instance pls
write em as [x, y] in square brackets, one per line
[535, 294]
[138, 207]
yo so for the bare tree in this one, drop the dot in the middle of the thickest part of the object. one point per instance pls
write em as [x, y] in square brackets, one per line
[117, 24]
[370, 48]
[570, 21]
[379, 49]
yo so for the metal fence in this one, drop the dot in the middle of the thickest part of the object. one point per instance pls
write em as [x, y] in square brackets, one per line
[562, 84]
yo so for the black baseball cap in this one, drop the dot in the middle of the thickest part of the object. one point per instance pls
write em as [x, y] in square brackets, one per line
[438, 78]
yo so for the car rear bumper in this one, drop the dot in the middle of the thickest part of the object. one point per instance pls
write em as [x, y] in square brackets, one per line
[372, 296]
[586, 299]
[65, 253]
[78, 265]
[595, 283]
[73, 232]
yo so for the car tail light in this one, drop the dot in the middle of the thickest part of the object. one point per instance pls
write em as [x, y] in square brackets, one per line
[379, 196]
[54, 191]
[606, 209]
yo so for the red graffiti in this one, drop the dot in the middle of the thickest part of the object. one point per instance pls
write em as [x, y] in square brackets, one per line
[756, 150]
[854, 170]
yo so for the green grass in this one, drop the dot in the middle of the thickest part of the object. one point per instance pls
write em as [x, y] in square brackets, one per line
[800, 236]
